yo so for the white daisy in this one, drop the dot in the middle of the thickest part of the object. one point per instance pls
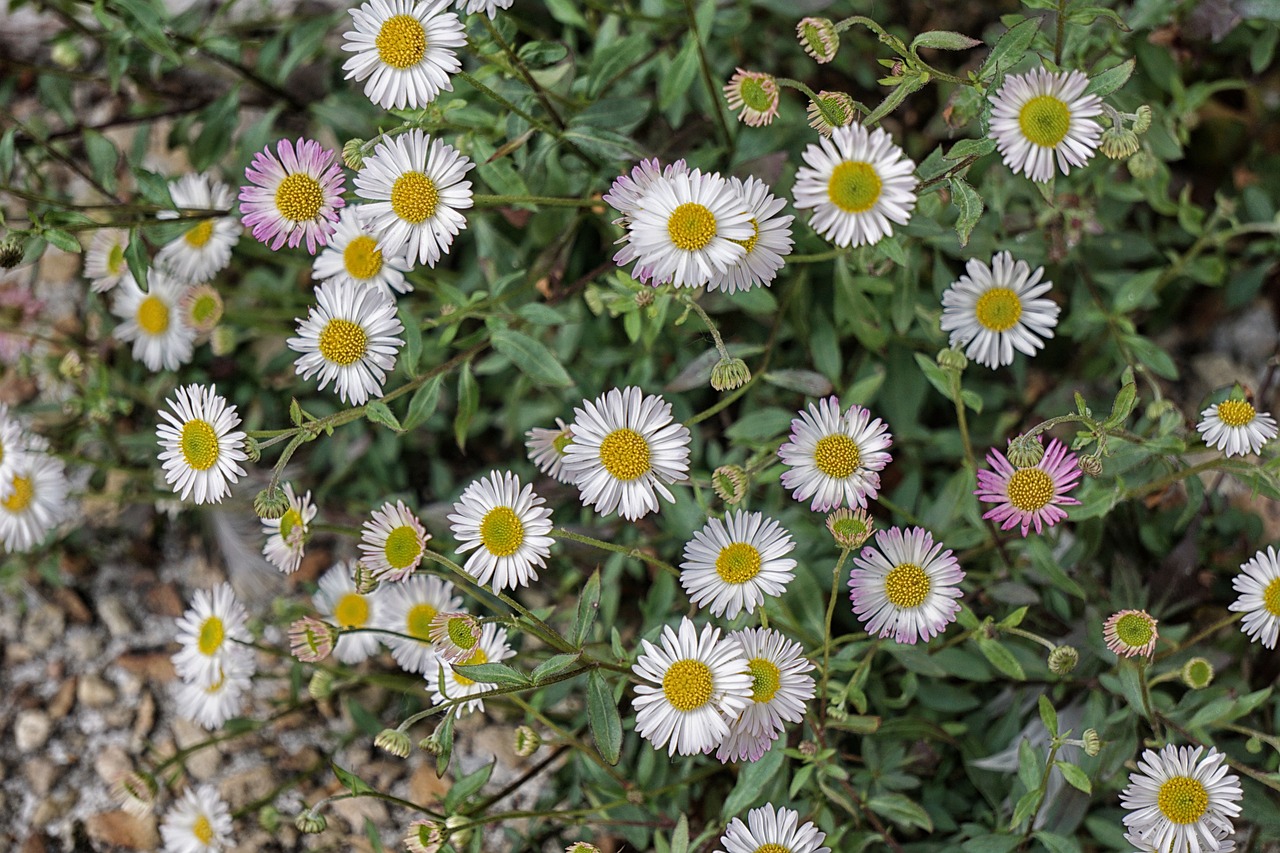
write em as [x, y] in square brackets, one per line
[393, 542]
[835, 458]
[507, 527]
[403, 50]
[1145, 845]
[104, 263]
[1180, 801]
[906, 587]
[626, 193]
[547, 450]
[211, 705]
[200, 445]
[1042, 115]
[36, 503]
[205, 249]
[489, 7]
[858, 184]
[200, 822]
[445, 683]
[780, 687]
[770, 830]
[697, 683]
[766, 248]
[1236, 427]
[991, 311]
[690, 228]
[733, 564]
[341, 604]
[288, 534]
[414, 188]
[211, 634]
[350, 339]
[153, 321]
[1259, 586]
[409, 608]
[353, 256]
[624, 449]
[15, 442]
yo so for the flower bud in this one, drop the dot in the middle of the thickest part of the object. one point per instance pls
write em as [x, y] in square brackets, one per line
[1025, 451]
[1118, 142]
[1091, 466]
[819, 38]
[66, 54]
[430, 745]
[425, 836]
[1142, 119]
[10, 253]
[271, 503]
[635, 796]
[644, 298]
[1143, 165]
[808, 748]
[353, 154]
[831, 110]
[730, 484]
[458, 837]
[527, 741]
[1197, 673]
[202, 308]
[365, 580]
[269, 818]
[310, 823]
[311, 639]
[1063, 660]
[321, 685]
[222, 341]
[1092, 743]
[136, 791]
[1253, 745]
[952, 359]
[393, 741]
[581, 847]
[850, 527]
[729, 374]
[71, 366]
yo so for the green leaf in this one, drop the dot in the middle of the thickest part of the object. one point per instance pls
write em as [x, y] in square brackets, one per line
[901, 810]
[1014, 619]
[1075, 777]
[680, 836]
[971, 147]
[1057, 843]
[62, 240]
[1001, 658]
[371, 833]
[588, 608]
[1086, 15]
[378, 412]
[353, 783]
[943, 40]
[858, 723]
[607, 145]
[468, 405]
[806, 382]
[1010, 48]
[602, 714]
[991, 844]
[551, 666]
[135, 255]
[1048, 715]
[154, 188]
[423, 403]
[443, 737]
[103, 158]
[412, 352]
[1027, 805]
[755, 778]
[531, 357]
[896, 97]
[679, 77]
[463, 788]
[1125, 400]
[1112, 79]
[969, 203]
[218, 120]
[492, 673]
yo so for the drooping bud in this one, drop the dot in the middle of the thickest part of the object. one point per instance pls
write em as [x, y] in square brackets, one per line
[71, 366]
[136, 791]
[730, 484]
[394, 742]
[321, 685]
[425, 836]
[1197, 673]
[1025, 451]
[1118, 142]
[644, 298]
[1063, 660]
[271, 503]
[730, 373]
[202, 307]
[458, 837]
[311, 639]
[819, 38]
[1092, 743]
[10, 253]
[1253, 745]
[222, 341]
[850, 527]
[581, 847]
[365, 580]
[527, 741]
[755, 95]
[1143, 165]
[952, 359]
[310, 823]
[454, 635]
[831, 110]
[1142, 119]
[1090, 466]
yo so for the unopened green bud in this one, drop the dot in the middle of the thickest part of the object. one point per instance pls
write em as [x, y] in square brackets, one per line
[1025, 451]
[1143, 165]
[365, 580]
[1118, 142]
[252, 449]
[353, 154]
[1142, 119]
[831, 110]
[458, 837]
[1092, 743]
[1063, 660]
[222, 341]
[321, 685]
[393, 741]
[271, 503]
[310, 823]
[1197, 673]
[1090, 466]
[952, 359]
[730, 484]
[430, 745]
[65, 54]
[527, 741]
[71, 366]
[1253, 745]
[644, 298]
[729, 374]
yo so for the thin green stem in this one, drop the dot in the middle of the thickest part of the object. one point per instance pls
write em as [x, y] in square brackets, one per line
[1151, 716]
[1044, 787]
[711, 327]
[713, 91]
[1036, 638]
[1230, 619]
[635, 553]
[503, 102]
[836, 575]
[1060, 36]
[539, 200]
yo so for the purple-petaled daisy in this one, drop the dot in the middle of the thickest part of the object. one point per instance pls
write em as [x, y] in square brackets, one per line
[906, 587]
[839, 105]
[835, 458]
[1259, 586]
[780, 687]
[1236, 428]
[1029, 496]
[1130, 633]
[819, 38]
[293, 196]
[755, 94]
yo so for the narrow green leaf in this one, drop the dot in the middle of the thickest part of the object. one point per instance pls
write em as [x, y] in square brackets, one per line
[62, 240]
[378, 412]
[602, 714]
[902, 810]
[588, 608]
[551, 666]
[468, 405]
[103, 158]
[470, 784]
[1010, 47]
[971, 147]
[806, 382]
[423, 403]
[679, 77]
[444, 739]
[412, 352]
[492, 673]
[531, 357]
[755, 778]
[970, 205]
[1048, 715]
[1075, 777]
[1026, 807]
[680, 836]
[1112, 79]
[1001, 658]
[135, 255]
[943, 40]
[353, 783]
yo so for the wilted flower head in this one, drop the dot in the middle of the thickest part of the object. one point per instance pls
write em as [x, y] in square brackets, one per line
[1092, 743]
[1197, 673]
[311, 639]
[1119, 142]
[819, 38]
[202, 308]
[730, 484]
[1131, 632]
[830, 106]
[425, 836]
[310, 822]
[393, 741]
[730, 373]
[755, 94]
[271, 503]
[850, 527]
[1063, 660]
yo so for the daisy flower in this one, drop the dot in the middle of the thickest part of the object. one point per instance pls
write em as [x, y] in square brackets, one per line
[455, 635]
[15, 442]
[201, 308]
[625, 448]
[288, 534]
[424, 836]
[835, 458]
[36, 503]
[403, 51]
[409, 608]
[341, 604]
[766, 248]
[1029, 496]
[991, 311]
[211, 705]
[755, 94]
[906, 587]
[353, 256]
[294, 196]
[205, 249]
[1146, 845]
[505, 526]
[1042, 115]
[1130, 633]
[414, 187]
[627, 194]
[200, 822]
[393, 542]
[489, 7]
[547, 450]
[858, 184]
[445, 683]
[1178, 800]
[694, 683]
[210, 633]
[773, 831]
[153, 321]
[780, 687]
[1259, 586]
[733, 564]
[104, 263]
[689, 228]
[1236, 427]
[350, 338]
[200, 445]
[745, 744]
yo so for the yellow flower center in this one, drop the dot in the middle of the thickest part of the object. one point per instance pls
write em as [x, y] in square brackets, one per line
[1236, 413]
[1044, 120]
[21, 496]
[414, 197]
[854, 187]
[837, 456]
[1183, 800]
[402, 42]
[199, 444]
[906, 585]
[153, 315]
[625, 454]
[461, 633]
[206, 309]
[115, 259]
[687, 685]
[999, 309]
[352, 611]
[343, 342]
[1030, 489]
[299, 197]
[362, 258]
[1135, 630]
[199, 235]
[417, 622]
[403, 548]
[1271, 598]
[477, 657]
[766, 678]
[691, 227]
[738, 563]
[750, 243]
[202, 830]
[212, 633]
[772, 848]
[501, 531]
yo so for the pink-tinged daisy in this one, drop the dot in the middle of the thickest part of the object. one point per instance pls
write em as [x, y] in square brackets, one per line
[1259, 586]
[393, 542]
[835, 458]
[287, 535]
[445, 683]
[547, 450]
[1029, 496]
[1236, 427]
[626, 195]
[403, 50]
[1130, 633]
[766, 248]
[906, 587]
[294, 196]
[839, 105]
[755, 94]
[819, 38]
[1182, 800]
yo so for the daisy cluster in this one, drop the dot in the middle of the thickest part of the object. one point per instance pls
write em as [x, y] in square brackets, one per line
[33, 486]
[216, 662]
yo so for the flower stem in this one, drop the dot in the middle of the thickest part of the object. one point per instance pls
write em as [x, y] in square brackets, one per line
[836, 574]
[636, 553]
